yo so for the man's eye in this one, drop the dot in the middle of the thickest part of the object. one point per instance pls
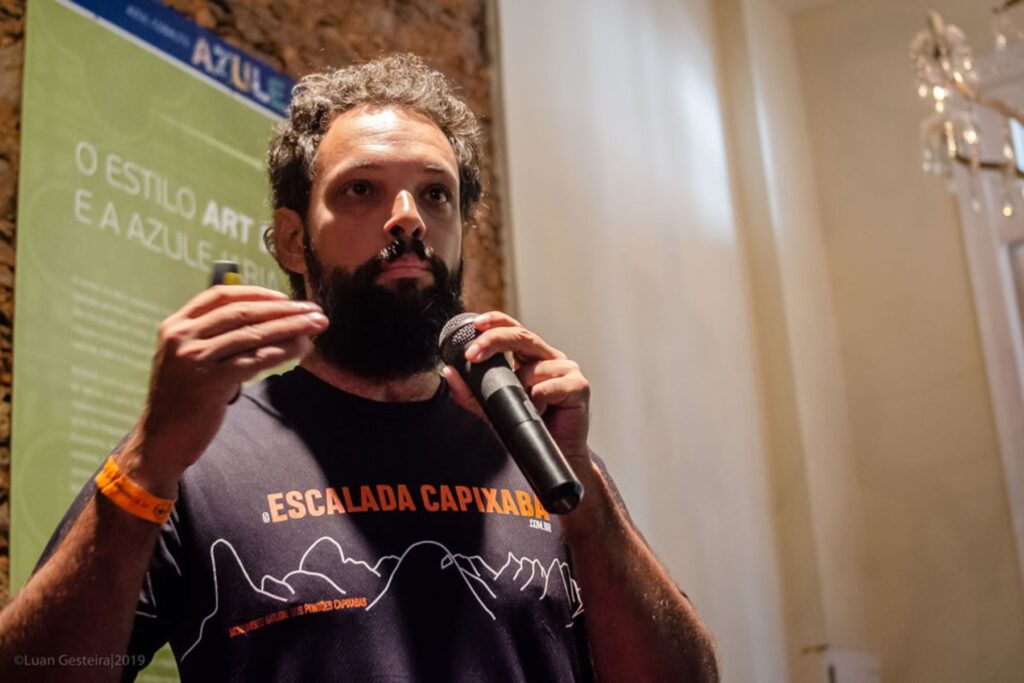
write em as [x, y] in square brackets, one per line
[438, 194]
[359, 188]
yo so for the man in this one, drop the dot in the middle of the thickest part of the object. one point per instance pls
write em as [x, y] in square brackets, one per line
[355, 518]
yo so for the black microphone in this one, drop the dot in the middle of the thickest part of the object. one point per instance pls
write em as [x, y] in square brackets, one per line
[514, 417]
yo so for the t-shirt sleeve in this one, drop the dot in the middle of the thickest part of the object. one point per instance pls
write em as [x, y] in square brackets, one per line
[160, 587]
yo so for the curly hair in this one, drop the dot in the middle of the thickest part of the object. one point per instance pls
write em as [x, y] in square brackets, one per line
[401, 80]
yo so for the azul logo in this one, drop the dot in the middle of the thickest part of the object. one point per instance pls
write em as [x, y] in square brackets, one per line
[243, 75]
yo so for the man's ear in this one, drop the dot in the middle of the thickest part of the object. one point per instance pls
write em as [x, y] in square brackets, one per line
[288, 240]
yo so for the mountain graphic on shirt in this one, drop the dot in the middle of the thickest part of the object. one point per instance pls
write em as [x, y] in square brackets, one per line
[325, 571]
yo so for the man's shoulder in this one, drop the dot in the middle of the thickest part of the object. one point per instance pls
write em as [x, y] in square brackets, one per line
[275, 402]
[256, 431]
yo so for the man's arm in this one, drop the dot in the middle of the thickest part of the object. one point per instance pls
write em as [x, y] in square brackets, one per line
[640, 625]
[83, 598]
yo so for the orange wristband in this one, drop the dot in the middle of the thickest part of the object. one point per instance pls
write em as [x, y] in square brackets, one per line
[129, 496]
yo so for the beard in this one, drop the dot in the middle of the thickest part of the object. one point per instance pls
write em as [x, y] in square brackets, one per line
[384, 333]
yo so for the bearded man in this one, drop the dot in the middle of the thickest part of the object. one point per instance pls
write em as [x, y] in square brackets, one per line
[354, 518]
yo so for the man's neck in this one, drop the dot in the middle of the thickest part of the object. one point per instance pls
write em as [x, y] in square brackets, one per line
[418, 387]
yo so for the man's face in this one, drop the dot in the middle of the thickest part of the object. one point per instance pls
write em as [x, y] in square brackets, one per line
[379, 173]
[382, 241]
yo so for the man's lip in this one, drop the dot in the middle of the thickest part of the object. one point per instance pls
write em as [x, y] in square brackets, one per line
[404, 263]
[404, 267]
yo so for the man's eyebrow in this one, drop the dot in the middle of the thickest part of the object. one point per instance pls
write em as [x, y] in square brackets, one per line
[434, 168]
[368, 165]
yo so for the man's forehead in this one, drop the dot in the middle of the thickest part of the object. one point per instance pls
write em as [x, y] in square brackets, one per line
[373, 136]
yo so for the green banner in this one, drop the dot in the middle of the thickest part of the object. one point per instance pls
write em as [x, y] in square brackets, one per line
[138, 170]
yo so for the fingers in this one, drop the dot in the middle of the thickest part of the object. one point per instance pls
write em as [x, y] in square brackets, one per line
[221, 295]
[226, 335]
[555, 382]
[246, 365]
[241, 314]
[228, 321]
[250, 338]
[535, 373]
[545, 372]
[568, 391]
[548, 376]
[486, 321]
[501, 333]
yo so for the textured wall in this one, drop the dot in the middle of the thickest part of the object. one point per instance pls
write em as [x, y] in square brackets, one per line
[12, 48]
[296, 36]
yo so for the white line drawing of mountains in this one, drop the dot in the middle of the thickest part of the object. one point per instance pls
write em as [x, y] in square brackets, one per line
[216, 589]
[302, 571]
[537, 571]
[343, 572]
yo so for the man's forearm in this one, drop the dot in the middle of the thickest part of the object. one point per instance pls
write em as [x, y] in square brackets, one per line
[82, 600]
[639, 625]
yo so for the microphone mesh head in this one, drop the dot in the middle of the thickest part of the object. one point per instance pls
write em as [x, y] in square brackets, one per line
[455, 336]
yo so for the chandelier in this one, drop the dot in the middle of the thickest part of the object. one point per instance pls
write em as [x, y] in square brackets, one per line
[946, 75]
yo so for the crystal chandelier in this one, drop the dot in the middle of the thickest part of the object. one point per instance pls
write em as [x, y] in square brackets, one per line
[946, 76]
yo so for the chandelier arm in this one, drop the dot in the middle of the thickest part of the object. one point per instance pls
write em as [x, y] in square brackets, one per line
[937, 27]
[987, 165]
[995, 104]
[937, 49]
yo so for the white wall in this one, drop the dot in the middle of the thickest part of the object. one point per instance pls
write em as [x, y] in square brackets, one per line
[943, 584]
[626, 256]
[805, 289]
[718, 209]
[818, 506]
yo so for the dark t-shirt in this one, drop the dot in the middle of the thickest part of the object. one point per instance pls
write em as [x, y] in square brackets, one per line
[323, 536]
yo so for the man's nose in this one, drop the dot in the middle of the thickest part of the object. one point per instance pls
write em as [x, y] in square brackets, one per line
[405, 217]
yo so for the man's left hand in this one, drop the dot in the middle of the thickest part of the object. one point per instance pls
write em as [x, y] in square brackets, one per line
[554, 383]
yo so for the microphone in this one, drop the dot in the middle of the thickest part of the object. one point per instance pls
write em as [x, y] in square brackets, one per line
[514, 417]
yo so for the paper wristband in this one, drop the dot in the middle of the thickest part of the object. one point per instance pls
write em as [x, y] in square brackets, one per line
[130, 497]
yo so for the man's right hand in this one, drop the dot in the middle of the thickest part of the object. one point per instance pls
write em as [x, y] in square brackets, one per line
[222, 337]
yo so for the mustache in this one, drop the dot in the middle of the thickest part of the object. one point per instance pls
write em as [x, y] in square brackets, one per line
[401, 246]
[365, 274]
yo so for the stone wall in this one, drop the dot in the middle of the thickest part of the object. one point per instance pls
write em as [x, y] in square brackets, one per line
[296, 36]
[12, 50]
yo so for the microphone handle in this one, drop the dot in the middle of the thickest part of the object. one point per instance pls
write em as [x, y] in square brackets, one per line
[524, 434]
